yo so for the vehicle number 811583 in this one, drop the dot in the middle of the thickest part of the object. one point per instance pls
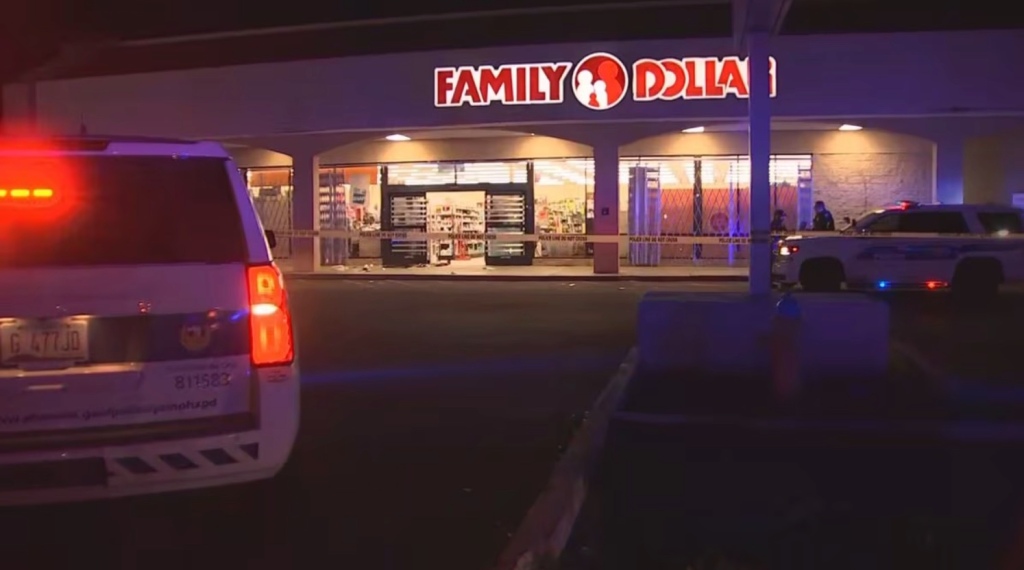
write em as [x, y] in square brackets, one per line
[201, 381]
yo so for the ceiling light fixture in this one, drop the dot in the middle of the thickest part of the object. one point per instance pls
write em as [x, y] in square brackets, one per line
[397, 138]
[845, 127]
[694, 130]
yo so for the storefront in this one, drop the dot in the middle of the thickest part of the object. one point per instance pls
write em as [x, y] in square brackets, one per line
[693, 194]
[638, 138]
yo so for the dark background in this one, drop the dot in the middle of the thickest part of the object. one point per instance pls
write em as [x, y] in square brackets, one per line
[33, 31]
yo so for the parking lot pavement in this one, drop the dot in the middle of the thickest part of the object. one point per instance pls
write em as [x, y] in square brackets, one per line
[728, 495]
[979, 344]
[432, 416]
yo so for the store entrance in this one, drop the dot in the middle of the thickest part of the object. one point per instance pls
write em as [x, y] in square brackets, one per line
[460, 213]
[504, 209]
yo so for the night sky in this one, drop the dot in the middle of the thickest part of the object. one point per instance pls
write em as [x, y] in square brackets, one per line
[31, 31]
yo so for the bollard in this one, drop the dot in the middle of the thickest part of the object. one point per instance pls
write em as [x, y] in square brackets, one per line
[785, 347]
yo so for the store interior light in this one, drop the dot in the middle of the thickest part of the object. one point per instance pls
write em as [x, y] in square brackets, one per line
[397, 138]
[579, 172]
[845, 127]
[694, 130]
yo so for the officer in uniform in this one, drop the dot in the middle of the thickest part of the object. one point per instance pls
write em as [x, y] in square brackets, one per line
[823, 221]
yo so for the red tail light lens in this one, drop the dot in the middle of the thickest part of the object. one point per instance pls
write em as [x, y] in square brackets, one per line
[270, 321]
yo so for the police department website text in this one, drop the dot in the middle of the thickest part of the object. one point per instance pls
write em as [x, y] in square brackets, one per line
[109, 413]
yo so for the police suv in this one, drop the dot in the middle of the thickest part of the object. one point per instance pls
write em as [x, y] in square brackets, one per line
[146, 341]
[969, 248]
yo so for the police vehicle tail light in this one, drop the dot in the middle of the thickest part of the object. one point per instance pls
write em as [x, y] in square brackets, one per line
[788, 249]
[270, 322]
[935, 284]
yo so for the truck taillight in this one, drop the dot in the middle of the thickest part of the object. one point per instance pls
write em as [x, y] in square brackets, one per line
[270, 321]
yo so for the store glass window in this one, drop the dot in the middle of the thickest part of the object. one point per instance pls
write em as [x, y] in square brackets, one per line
[271, 191]
[705, 186]
[440, 173]
[269, 182]
[707, 195]
[349, 201]
[563, 202]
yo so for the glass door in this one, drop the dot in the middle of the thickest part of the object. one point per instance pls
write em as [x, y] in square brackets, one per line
[508, 213]
[404, 212]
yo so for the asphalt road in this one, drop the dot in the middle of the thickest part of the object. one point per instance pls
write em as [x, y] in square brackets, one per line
[432, 415]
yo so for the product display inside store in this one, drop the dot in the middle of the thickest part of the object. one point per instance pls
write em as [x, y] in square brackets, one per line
[456, 212]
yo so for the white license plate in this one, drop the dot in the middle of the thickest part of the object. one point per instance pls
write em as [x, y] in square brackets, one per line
[26, 341]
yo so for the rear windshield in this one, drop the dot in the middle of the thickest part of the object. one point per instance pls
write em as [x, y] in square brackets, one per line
[117, 210]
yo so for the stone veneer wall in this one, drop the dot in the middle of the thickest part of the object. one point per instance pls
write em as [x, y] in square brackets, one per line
[852, 183]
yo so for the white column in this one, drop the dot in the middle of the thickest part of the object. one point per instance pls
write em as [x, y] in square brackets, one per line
[759, 134]
[606, 205]
[305, 211]
[949, 169]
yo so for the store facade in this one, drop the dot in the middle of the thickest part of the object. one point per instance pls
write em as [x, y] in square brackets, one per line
[639, 138]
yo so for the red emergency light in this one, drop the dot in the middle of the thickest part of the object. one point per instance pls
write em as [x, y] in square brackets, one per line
[25, 194]
[37, 188]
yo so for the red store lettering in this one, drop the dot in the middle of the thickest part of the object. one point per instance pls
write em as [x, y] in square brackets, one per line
[694, 78]
[535, 83]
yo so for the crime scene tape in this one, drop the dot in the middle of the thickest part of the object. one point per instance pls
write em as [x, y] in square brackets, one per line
[690, 239]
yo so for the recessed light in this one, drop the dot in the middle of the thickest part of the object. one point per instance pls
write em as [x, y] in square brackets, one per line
[850, 127]
[694, 130]
[397, 138]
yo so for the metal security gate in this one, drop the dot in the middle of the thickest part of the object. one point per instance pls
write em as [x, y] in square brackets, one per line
[508, 209]
[404, 211]
[509, 212]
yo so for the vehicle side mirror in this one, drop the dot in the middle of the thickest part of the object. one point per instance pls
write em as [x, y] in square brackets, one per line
[271, 238]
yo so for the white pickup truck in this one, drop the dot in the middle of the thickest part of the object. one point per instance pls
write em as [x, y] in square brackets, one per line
[972, 249]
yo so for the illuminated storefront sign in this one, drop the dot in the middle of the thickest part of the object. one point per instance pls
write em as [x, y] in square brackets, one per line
[599, 81]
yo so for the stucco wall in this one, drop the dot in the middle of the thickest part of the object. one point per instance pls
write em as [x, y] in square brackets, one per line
[850, 75]
[1013, 158]
[994, 168]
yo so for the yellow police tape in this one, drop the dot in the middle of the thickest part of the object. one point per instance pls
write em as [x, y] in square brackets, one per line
[506, 237]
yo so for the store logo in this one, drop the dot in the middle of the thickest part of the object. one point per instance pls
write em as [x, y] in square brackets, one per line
[599, 81]
[196, 337]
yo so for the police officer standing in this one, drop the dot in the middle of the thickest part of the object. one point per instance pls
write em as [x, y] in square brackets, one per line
[779, 222]
[823, 221]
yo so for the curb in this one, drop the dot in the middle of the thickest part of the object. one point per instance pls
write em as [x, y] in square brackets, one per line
[546, 528]
[520, 278]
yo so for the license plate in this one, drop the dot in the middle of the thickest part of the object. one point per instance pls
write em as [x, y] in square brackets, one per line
[26, 341]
